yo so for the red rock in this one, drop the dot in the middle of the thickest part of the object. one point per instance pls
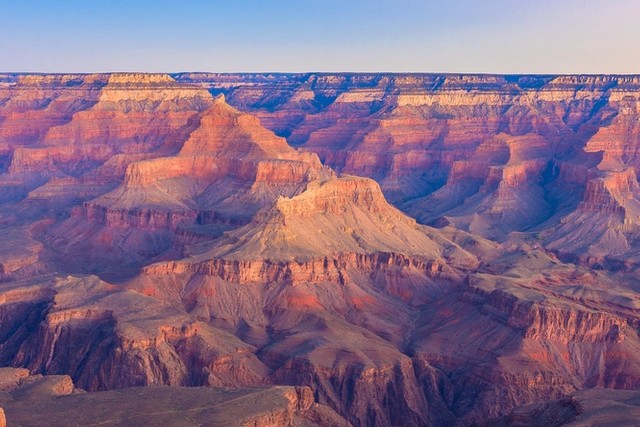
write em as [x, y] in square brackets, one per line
[260, 407]
[227, 258]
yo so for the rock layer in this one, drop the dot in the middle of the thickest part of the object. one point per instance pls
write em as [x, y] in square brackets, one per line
[272, 406]
[155, 232]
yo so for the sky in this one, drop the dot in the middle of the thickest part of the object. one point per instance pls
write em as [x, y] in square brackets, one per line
[464, 36]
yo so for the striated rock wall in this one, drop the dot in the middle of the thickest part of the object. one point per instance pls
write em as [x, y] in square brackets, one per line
[413, 133]
[34, 398]
[231, 258]
[329, 269]
[547, 322]
[101, 347]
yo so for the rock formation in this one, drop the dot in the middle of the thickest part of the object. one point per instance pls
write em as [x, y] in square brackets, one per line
[584, 408]
[38, 398]
[402, 249]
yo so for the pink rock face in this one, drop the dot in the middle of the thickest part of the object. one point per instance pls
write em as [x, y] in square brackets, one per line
[286, 406]
[154, 234]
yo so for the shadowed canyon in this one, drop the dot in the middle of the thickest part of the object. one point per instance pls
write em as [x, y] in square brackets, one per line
[345, 249]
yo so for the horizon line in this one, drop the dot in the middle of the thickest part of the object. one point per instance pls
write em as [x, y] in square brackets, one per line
[459, 73]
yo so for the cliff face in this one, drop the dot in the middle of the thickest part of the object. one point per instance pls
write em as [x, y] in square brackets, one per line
[417, 133]
[146, 156]
[34, 398]
[225, 146]
[588, 407]
[258, 230]
[104, 339]
[490, 154]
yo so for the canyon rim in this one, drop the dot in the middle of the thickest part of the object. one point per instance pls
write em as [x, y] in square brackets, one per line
[375, 249]
[337, 213]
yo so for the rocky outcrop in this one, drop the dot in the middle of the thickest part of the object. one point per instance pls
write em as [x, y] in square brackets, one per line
[430, 140]
[228, 258]
[266, 407]
[104, 347]
[11, 378]
[20, 253]
[603, 227]
[33, 398]
[225, 145]
[588, 407]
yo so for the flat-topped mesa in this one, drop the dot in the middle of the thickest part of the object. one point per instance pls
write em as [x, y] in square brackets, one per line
[335, 196]
[159, 89]
[207, 169]
[149, 172]
[343, 219]
[60, 81]
[306, 167]
[77, 80]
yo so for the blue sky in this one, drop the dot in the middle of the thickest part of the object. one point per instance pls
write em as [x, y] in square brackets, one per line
[496, 36]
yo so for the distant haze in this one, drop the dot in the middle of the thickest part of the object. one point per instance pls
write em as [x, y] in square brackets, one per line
[490, 36]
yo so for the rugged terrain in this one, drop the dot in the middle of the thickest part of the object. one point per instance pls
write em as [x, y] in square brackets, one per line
[592, 407]
[31, 399]
[415, 249]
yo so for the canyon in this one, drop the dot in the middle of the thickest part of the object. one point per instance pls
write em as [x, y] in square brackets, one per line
[345, 249]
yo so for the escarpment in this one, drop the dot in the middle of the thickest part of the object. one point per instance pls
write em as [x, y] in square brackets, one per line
[228, 153]
[38, 397]
[327, 249]
[103, 340]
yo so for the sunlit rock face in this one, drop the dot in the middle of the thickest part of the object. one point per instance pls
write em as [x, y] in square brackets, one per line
[30, 399]
[414, 249]
[492, 154]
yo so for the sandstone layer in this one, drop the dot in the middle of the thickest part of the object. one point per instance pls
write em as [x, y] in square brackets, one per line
[403, 249]
[490, 154]
[39, 400]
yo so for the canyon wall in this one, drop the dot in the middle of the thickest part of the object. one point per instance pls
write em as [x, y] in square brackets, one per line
[414, 249]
